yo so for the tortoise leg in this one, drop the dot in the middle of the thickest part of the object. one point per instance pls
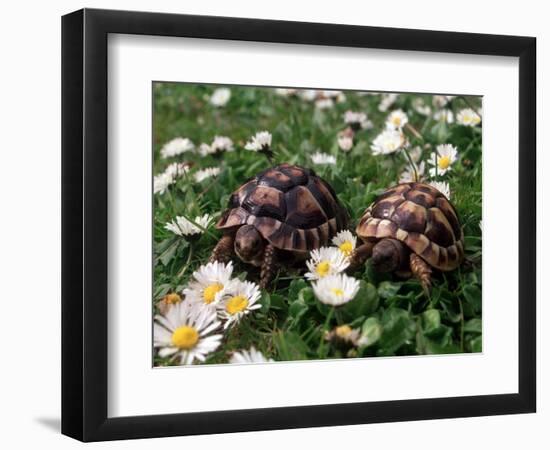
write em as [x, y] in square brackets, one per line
[422, 271]
[223, 250]
[360, 255]
[269, 264]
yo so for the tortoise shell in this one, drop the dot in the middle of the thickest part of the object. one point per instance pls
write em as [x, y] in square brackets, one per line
[422, 218]
[290, 206]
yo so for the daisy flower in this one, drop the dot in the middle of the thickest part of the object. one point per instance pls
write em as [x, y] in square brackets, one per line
[209, 282]
[176, 147]
[444, 115]
[439, 101]
[443, 187]
[324, 103]
[325, 261]
[408, 174]
[420, 107]
[177, 169]
[468, 117]
[344, 334]
[323, 158]
[286, 92]
[389, 141]
[220, 97]
[357, 120]
[239, 298]
[397, 120]
[161, 182]
[307, 94]
[167, 301]
[251, 356]
[387, 101]
[185, 332]
[443, 157]
[336, 289]
[203, 174]
[183, 227]
[219, 144]
[345, 139]
[261, 141]
[345, 241]
[415, 153]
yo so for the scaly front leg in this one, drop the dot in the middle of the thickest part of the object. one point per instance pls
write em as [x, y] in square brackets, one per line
[223, 250]
[422, 271]
[269, 265]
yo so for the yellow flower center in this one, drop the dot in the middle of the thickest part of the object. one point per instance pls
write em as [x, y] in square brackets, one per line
[444, 162]
[346, 248]
[323, 268]
[185, 337]
[337, 291]
[236, 304]
[209, 293]
[172, 299]
[343, 331]
[397, 121]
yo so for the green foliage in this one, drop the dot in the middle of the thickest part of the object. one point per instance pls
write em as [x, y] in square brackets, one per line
[391, 314]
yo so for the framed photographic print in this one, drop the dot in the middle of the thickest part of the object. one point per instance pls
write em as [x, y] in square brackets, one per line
[274, 224]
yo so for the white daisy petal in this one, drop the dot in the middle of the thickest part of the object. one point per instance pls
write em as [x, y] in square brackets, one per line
[239, 298]
[323, 158]
[187, 343]
[389, 141]
[209, 283]
[251, 356]
[444, 157]
[325, 261]
[397, 120]
[336, 289]
[345, 241]
[204, 174]
[183, 227]
[260, 141]
[176, 147]
[220, 97]
[468, 117]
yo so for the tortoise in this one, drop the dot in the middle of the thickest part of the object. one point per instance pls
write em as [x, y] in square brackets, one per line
[279, 215]
[410, 228]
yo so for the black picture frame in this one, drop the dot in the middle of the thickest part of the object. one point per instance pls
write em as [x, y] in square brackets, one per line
[84, 224]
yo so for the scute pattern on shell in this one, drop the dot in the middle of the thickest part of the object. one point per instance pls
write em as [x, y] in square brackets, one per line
[422, 218]
[290, 206]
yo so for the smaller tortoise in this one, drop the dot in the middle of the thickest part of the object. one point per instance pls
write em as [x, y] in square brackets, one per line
[411, 227]
[279, 215]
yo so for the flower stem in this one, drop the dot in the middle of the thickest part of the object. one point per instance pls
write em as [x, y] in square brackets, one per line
[188, 262]
[412, 164]
[414, 131]
[326, 327]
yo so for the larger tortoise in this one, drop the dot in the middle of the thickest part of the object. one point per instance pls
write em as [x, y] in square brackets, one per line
[280, 214]
[411, 227]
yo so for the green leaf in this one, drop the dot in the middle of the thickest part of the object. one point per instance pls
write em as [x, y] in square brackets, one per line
[475, 344]
[387, 289]
[265, 301]
[398, 329]
[364, 303]
[166, 256]
[431, 320]
[371, 331]
[473, 326]
[472, 294]
[290, 346]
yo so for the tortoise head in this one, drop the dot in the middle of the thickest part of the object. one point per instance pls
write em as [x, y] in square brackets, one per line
[388, 255]
[249, 244]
